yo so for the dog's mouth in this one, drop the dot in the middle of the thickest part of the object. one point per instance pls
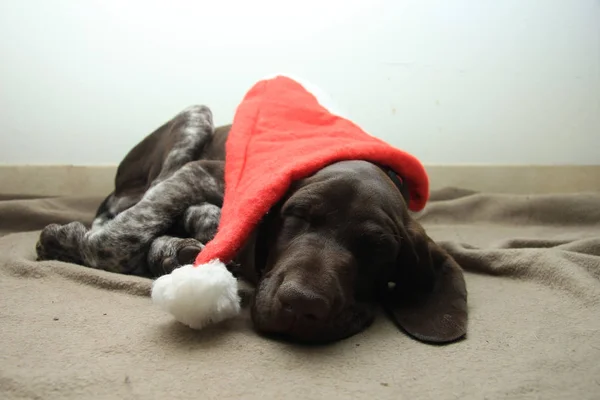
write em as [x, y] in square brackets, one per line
[272, 318]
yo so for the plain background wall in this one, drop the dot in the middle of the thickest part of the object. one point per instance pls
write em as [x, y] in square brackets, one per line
[454, 82]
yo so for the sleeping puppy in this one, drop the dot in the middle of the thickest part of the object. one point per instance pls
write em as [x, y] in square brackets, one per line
[338, 245]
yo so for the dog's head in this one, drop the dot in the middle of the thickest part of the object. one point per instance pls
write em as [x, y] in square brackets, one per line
[341, 243]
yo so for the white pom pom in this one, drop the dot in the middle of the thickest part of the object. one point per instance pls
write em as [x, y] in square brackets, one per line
[198, 296]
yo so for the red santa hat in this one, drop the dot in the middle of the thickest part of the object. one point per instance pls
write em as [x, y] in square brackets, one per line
[283, 130]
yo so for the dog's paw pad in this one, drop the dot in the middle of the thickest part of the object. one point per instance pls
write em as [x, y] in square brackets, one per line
[180, 252]
[188, 254]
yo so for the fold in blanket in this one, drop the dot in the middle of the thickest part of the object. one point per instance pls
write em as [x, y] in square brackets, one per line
[533, 272]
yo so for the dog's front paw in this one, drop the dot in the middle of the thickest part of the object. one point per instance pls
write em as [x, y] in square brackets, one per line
[61, 243]
[47, 242]
[168, 253]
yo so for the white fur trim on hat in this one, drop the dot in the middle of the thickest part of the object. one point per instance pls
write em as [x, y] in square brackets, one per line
[198, 296]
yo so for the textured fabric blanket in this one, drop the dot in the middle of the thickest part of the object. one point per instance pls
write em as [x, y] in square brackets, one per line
[533, 274]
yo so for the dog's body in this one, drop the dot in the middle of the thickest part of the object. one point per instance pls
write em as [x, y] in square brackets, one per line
[340, 241]
[171, 185]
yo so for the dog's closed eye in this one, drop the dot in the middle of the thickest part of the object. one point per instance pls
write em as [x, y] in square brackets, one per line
[297, 210]
[373, 245]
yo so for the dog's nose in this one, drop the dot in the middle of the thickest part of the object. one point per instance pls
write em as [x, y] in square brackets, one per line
[302, 301]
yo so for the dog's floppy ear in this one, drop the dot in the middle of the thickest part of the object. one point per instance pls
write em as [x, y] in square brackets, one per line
[252, 257]
[425, 294]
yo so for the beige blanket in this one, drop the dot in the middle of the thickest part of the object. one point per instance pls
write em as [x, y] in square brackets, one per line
[533, 274]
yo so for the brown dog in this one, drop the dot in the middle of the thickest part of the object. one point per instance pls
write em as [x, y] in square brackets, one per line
[339, 244]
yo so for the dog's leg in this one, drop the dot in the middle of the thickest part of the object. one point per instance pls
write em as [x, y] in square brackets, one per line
[191, 130]
[123, 243]
[200, 225]
[195, 128]
[201, 221]
[113, 205]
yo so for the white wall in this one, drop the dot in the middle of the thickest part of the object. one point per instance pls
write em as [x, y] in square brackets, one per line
[463, 81]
